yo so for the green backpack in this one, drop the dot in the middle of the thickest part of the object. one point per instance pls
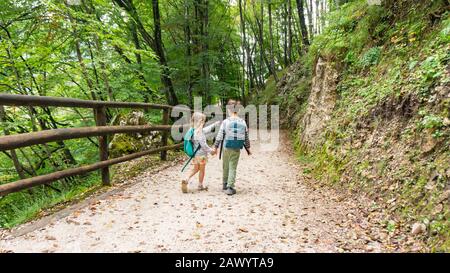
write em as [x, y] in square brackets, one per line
[189, 146]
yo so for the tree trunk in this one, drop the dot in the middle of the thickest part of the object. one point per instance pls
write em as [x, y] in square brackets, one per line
[322, 14]
[296, 35]
[317, 16]
[285, 35]
[148, 93]
[156, 46]
[289, 47]
[261, 41]
[188, 52]
[90, 9]
[159, 50]
[205, 49]
[246, 56]
[278, 50]
[272, 61]
[309, 11]
[301, 17]
[84, 71]
[139, 71]
[263, 57]
[17, 165]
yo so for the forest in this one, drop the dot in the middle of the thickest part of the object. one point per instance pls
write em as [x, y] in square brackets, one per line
[378, 56]
[141, 51]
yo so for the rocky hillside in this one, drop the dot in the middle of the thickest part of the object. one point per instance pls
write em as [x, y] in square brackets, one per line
[370, 104]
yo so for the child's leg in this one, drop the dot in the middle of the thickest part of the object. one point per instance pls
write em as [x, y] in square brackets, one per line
[233, 162]
[184, 182]
[225, 167]
[201, 174]
[195, 169]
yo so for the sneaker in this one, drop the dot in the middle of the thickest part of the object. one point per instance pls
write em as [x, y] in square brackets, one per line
[184, 186]
[224, 186]
[230, 191]
[202, 188]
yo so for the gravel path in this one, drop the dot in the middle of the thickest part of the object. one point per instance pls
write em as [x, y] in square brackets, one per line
[273, 211]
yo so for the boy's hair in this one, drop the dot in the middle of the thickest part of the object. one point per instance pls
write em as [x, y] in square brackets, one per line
[234, 106]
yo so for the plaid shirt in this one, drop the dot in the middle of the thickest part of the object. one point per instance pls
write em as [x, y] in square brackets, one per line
[221, 133]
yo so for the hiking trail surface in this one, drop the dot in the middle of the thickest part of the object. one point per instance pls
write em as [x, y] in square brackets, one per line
[274, 210]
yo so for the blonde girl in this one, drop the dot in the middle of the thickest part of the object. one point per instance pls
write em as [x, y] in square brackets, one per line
[201, 157]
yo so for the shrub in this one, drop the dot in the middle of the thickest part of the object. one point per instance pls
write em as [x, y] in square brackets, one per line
[371, 57]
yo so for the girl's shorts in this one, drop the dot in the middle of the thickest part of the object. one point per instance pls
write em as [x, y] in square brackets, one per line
[200, 160]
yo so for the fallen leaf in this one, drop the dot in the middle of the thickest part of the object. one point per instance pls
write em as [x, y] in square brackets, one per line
[242, 229]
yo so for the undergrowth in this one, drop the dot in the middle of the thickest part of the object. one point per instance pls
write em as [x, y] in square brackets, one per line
[385, 60]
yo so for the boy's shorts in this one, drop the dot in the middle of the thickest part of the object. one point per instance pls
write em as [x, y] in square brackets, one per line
[200, 160]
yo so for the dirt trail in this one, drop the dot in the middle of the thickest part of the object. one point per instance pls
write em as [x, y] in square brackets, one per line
[273, 211]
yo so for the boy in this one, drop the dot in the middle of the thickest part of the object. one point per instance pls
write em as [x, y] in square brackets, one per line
[234, 134]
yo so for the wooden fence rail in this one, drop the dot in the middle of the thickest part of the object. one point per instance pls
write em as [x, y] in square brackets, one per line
[47, 178]
[101, 130]
[26, 100]
[27, 139]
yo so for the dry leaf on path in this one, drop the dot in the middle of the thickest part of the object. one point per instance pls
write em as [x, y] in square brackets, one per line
[243, 229]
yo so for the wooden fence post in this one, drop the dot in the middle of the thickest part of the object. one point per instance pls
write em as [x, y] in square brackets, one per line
[165, 134]
[100, 120]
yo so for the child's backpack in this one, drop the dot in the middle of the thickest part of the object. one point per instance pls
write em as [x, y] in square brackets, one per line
[189, 144]
[235, 134]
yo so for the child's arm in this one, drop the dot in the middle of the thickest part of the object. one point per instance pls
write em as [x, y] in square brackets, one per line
[220, 134]
[247, 140]
[208, 129]
[203, 144]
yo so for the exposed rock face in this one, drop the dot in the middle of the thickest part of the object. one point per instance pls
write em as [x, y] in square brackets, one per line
[321, 102]
[134, 118]
[129, 143]
[293, 90]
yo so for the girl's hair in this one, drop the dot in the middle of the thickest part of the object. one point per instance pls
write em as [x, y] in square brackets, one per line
[198, 121]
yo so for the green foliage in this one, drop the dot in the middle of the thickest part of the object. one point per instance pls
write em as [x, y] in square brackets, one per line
[431, 122]
[17, 208]
[349, 31]
[371, 57]
[392, 61]
[391, 226]
[444, 34]
[350, 58]
[270, 94]
[94, 50]
[431, 70]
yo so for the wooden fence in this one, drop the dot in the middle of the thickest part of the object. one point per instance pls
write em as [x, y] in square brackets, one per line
[101, 130]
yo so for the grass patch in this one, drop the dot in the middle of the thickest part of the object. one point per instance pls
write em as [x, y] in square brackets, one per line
[19, 207]
[383, 58]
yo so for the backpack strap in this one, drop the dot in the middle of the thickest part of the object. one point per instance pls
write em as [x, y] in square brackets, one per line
[190, 158]
[193, 155]
[198, 147]
[221, 145]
